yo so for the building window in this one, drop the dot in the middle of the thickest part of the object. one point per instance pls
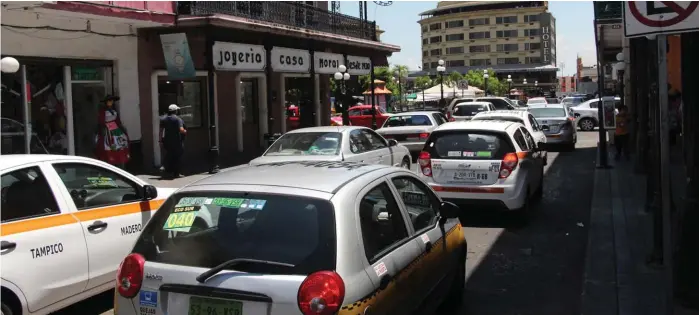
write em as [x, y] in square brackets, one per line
[508, 61]
[424, 53]
[479, 48]
[532, 32]
[435, 52]
[453, 24]
[433, 65]
[435, 26]
[532, 46]
[506, 19]
[507, 47]
[435, 39]
[532, 60]
[424, 29]
[478, 35]
[425, 41]
[425, 66]
[455, 50]
[531, 18]
[455, 63]
[480, 21]
[506, 33]
[455, 37]
[479, 62]
[188, 94]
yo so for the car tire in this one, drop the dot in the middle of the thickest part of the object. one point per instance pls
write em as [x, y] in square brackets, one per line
[405, 163]
[455, 297]
[5, 310]
[587, 124]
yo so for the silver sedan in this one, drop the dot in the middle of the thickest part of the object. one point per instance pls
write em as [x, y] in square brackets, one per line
[557, 123]
[411, 129]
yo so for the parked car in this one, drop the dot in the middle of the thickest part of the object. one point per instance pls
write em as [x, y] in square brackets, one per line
[519, 116]
[536, 101]
[330, 143]
[557, 124]
[457, 100]
[500, 103]
[67, 222]
[360, 115]
[484, 163]
[552, 100]
[300, 238]
[585, 113]
[466, 111]
[411, 129]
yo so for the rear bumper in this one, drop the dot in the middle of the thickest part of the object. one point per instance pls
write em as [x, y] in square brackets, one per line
[563, 137]
[505, 197]
[413, 146]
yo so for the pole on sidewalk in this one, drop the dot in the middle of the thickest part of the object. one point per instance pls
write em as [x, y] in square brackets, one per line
[665, 173]
[603, 155]
[26, 111]
[213, 143]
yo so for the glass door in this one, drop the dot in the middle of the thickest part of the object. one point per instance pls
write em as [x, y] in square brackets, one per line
[87, 98]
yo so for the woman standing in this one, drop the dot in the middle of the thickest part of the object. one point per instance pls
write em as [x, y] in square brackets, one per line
[112, 142]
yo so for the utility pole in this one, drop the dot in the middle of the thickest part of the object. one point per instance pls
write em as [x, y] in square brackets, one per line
[603, 155]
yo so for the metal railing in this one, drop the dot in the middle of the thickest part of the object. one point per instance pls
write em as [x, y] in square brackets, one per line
[294, 14]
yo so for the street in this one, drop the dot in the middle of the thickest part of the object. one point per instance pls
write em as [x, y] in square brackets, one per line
[513, 267]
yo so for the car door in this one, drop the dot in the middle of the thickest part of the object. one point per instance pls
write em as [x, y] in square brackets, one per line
[43, 246]
[382, 150]
[538, 134]
[537, 158]
[389, 251]
[111, 211]
[355, 117]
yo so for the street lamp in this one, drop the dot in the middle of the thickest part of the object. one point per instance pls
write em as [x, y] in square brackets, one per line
[509, 84]
[485, 77]
[9, 65]
[440, 70]
[341, 76]
[536, 87]
[400, 88]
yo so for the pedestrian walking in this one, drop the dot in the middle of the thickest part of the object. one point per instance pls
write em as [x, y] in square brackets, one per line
[621, 134]
[172, 135]
[111, 139]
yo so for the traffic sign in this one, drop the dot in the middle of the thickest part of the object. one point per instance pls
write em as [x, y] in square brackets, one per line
[463, 84]
[660, 17]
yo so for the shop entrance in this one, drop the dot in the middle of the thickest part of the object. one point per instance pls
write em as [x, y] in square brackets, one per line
[299, 107]
[249, 100]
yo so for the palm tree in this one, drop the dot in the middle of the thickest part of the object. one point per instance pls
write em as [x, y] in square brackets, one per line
[453, 79]
[423, 83]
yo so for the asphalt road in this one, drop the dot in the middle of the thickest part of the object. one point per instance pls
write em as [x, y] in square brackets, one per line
[513, 267]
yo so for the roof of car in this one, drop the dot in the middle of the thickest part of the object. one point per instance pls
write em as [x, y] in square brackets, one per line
[416, 113]
[12, 160]
[473, 103]
[515, 113]
[491, 97]
[324, 176]
[489, 125]
[557, 105]
[597, 100]
[326, 129]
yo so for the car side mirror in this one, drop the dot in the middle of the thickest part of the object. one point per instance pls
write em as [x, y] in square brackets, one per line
[392, 143]
[149, 192]
[449, 210]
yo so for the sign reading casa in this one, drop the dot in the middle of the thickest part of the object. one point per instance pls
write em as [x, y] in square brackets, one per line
[290, 60]
[239, 57]
[327, 63]
[358, 65]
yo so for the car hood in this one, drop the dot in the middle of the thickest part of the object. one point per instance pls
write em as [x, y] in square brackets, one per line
[164, 193]
[294, 158]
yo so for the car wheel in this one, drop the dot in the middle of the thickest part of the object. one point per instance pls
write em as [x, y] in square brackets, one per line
[587, 124]
[5, 310]
[455, 297]
[406, 163]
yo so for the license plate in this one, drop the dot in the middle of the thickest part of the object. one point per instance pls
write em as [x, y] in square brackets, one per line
[470, 176]
[205, 306]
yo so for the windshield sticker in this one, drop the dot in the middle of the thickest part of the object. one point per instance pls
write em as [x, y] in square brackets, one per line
[484, 154]
[180, 221]
[191, 201]
[186, 209]
[102, 182]
[228, 202]
[148, 298]
[469, 154]
[454, 153]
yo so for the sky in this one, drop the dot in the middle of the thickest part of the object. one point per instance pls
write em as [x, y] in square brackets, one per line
[575, 34]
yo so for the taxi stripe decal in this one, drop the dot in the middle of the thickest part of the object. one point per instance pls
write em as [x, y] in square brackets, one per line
[82, 215]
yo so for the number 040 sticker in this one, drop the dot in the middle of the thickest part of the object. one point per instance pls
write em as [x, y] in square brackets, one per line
[181, 219]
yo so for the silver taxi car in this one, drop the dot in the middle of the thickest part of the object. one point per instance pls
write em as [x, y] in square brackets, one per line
[557, 124]
[349, 238]
[411, 129]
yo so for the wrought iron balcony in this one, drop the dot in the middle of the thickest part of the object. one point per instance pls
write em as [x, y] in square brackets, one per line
[606, 10]
[289, 13]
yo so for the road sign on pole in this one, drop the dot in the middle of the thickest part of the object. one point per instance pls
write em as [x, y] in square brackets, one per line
[660, 17]
[463, 84]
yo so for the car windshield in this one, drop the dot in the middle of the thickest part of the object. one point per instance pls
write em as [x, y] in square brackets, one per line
[469, 109]
[408, 120]
[536, 101]
[306, 143]
[205, 229]
[548, 112]
[469, 145]
[497, 102]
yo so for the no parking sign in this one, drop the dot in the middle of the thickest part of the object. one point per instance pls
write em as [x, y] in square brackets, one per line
[660, 17]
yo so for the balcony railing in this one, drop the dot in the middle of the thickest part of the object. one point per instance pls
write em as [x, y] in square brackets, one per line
[607, 10]
[294, 14]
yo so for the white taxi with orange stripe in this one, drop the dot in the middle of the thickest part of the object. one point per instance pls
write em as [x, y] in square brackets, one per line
[67, 222]
[484, 163]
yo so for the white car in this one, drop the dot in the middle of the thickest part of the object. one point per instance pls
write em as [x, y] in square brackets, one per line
[585, 113]
[336, 143]
[67, 222]
[466, 111]
[411, 129]
[522, 116]
[484, 163]
[537, 101]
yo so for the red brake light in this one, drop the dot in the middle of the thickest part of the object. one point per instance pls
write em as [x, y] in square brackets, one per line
[425, 162]
[321, 293]
[130, 275]
[509, 163]
[424, 136]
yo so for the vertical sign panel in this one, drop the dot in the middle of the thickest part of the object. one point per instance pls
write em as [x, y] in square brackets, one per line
[177, 57]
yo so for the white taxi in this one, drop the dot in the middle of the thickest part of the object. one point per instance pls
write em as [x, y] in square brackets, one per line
[484, 163]
[67, 222]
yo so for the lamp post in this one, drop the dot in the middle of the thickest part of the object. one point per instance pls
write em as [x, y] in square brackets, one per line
[509, 84]
[485, 77]
[620, 67]
[341, 76]
[11, 65]
[400, 88]
[536, 87]
[440, 70]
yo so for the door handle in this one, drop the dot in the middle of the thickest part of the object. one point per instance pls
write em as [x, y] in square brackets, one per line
[385, 280]
[5, 245]
[96, 225]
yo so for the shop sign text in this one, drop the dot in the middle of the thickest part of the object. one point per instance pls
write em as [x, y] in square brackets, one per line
[290, 60]
[327, 63]
[358, 65]
[239, 57]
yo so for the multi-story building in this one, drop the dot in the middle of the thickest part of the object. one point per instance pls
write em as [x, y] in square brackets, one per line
[566, 84]
[512, 38]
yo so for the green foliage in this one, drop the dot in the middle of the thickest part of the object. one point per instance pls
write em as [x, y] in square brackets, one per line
[495, 87]
[423, 82]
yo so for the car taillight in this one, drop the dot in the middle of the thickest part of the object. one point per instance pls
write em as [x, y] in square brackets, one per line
[425, 162]
[321, 293]
[130, 275]
[508, 165]
[424, 136]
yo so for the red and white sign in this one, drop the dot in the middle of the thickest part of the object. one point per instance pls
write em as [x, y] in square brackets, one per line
[380, 269]
[660, 17]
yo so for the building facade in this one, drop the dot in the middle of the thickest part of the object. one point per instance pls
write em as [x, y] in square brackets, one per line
[567, 84]
[512, 38]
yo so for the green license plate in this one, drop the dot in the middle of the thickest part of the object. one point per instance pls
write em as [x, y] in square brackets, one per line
[205, 306]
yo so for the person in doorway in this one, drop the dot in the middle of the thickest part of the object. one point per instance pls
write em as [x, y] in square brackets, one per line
[172, 135]
[111, 140]
[621, 134]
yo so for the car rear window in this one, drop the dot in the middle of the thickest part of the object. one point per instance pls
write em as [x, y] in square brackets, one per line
[205, 229]
[306, 143]
[468, 145]
[548, 112]
[498, 103]
[469, 109]
[503, 118]
[408, 120]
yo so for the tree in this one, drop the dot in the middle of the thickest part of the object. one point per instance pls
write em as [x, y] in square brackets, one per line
[424, 82]
[495, 87]
[453, 79]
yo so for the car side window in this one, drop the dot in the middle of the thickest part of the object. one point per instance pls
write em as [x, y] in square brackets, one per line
[92, 186]
[535, 125]
[381, 222]
[422, 205]
[593, 104]
[528, 137]
[439, 118]
[376, 141]
[354, 112]
[358, 142]
[367, 112]
[26, 194]
[519, 138]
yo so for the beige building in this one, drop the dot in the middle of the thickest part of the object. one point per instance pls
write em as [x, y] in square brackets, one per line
[515, 38]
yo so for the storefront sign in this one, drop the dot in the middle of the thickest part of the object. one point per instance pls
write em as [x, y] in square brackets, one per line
[291, 60]
[87, 74]
[327, 63]
[358, 65]
[177, 57]
[239, 57]
[548, 50]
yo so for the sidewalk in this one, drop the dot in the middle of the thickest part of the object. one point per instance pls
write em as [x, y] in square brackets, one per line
[157, 181]
[617, 279]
